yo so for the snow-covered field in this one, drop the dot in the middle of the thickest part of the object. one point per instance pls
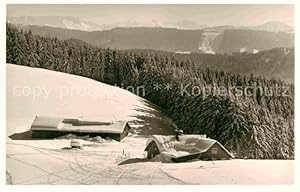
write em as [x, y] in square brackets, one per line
[34, 91]
[50, 162]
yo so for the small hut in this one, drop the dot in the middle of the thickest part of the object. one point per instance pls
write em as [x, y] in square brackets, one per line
[52, 127]
[187, 148]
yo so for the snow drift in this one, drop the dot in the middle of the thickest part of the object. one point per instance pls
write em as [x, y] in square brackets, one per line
[32, 91]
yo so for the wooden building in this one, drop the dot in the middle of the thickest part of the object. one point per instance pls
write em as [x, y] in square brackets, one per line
[52, 127]
[187, 148]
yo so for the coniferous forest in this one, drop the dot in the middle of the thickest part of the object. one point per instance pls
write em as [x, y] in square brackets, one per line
[259, 126]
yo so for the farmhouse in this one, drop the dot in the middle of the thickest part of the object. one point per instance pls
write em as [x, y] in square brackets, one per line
[52, 127]
[187, 148]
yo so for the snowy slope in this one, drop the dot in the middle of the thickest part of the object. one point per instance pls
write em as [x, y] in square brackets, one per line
[109, 162]
[33, 91]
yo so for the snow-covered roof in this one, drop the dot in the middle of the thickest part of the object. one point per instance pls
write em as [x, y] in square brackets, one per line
[113, 127]
[77, 125]
[187, 143]
[42, 122]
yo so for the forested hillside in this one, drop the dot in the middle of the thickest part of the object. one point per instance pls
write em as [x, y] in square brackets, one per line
[232, 40]
[254, 122]
[277, 63]
[166, 39]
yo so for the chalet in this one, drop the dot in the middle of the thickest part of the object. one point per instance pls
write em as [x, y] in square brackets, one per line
[52, 127]
[187, 148]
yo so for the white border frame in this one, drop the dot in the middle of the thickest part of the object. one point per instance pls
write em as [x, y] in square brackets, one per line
[223, 188]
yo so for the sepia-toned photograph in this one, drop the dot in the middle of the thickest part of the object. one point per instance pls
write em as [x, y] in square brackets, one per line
[150, 94]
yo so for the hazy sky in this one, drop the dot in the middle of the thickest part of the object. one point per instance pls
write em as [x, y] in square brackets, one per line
[211, 15]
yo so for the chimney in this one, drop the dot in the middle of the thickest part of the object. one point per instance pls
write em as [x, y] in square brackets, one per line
[178, 134]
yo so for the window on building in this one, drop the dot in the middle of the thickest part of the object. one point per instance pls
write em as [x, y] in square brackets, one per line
[214, 150]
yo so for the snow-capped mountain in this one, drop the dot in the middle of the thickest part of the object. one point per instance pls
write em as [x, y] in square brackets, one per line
[273, 26]
[68, 22]
[56, 21]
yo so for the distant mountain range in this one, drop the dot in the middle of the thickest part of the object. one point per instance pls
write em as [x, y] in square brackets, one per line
[68, 22]
[211, 40]
[64, 22]
[166, 39]
[273, 26]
